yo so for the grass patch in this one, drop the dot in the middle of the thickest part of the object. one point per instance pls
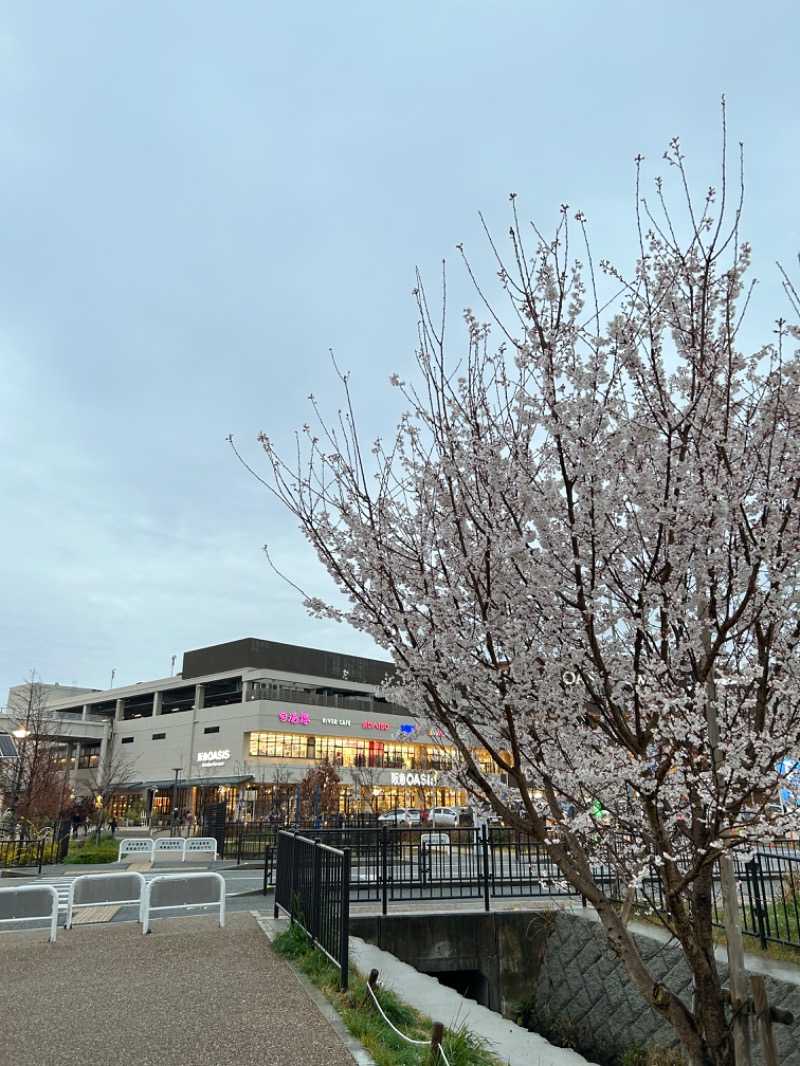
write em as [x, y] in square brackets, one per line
[355, 1006]
[88, 850]
[778, 952]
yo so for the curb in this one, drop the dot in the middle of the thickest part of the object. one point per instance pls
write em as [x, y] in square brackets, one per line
[270, 927]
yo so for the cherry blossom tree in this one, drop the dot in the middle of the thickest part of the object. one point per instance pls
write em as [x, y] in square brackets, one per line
[582, 551]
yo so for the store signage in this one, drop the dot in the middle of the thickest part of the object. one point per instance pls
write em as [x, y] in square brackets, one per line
[336, 721]
[213, 758]
[413, 778]
[294, 718]
[374, 725]
[409, 730]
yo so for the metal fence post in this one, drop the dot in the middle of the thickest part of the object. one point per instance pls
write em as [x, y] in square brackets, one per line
[268, 851]
[316, 892]
[344, 943]
[753, 868]
[384, 869]
[485, 856]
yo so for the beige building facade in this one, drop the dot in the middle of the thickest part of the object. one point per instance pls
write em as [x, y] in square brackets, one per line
[242, 723]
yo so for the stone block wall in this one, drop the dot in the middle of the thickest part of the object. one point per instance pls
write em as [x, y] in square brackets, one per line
[583, 993]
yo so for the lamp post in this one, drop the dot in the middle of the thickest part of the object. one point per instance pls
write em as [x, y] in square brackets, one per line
[19, 734]
[173, 827]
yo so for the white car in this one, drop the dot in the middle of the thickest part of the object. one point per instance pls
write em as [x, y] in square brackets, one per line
[443, 816]
[401, 817]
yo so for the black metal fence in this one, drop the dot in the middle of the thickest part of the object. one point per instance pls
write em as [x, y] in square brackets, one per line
[391, 865]
[769, 891]
[22, 853]
[312, 887]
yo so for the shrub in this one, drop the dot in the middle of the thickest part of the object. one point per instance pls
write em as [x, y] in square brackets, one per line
[89, 851]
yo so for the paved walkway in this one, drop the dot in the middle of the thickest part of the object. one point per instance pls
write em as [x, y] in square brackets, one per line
[193, 993]
[189, 993]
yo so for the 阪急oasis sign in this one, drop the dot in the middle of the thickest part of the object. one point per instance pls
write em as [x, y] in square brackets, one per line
[213, 758]
[413, 778]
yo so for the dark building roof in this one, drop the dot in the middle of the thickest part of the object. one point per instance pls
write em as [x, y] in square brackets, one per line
[251, 653]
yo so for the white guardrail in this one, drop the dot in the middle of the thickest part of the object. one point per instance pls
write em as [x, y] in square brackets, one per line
[184, 892]
[191, 847]
[30, 903]
[166, 892]
[97, 890]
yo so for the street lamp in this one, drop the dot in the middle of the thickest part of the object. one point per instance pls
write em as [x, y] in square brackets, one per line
[20, 734]
[176, 771]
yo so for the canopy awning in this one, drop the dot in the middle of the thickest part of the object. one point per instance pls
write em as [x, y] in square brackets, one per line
[197, 782]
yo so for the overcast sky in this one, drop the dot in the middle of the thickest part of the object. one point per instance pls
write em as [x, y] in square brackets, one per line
[198, 200]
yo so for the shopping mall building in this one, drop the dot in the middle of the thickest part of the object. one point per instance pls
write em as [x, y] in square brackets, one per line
[242, 723]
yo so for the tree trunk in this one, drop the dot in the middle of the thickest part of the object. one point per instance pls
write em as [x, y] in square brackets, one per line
[706, 1039]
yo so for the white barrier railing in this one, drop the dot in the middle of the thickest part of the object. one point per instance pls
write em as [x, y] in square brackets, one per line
[135, 846]
[167, 846]
[30, 903]
[183, 892]
[97, 890]
[200, 846]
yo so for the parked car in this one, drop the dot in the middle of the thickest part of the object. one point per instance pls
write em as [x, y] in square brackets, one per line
[422, 814]
[443, 816]
[401, 817]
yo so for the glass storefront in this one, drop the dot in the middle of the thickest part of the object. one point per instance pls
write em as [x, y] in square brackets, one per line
[347, 751]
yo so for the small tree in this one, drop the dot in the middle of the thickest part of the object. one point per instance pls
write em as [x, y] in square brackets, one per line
[36, 784]
[583, 553]
[319, 792]
[366, 780]
[114, 772]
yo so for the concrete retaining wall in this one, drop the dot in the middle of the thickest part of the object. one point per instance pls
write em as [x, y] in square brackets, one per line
[558, 962]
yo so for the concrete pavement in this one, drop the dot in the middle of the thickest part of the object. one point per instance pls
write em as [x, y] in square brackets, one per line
[190, 993]
[193, 993]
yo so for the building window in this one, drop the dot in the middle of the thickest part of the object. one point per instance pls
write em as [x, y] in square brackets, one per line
[280, 745]
[127, 740]
[159, 736]
[90, 756]
[211, 729]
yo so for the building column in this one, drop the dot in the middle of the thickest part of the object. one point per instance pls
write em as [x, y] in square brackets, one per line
[120, 711]
[199, 694]
[101, 762]
[73, 751]
[158, 703]
[78, 750]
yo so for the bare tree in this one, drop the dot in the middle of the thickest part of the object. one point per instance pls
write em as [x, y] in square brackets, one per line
[367, 779]
[319, 792]
[582, 551]
[36, 783]
[115, 772]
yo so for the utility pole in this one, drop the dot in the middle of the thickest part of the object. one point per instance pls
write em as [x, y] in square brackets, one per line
[174, 819]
